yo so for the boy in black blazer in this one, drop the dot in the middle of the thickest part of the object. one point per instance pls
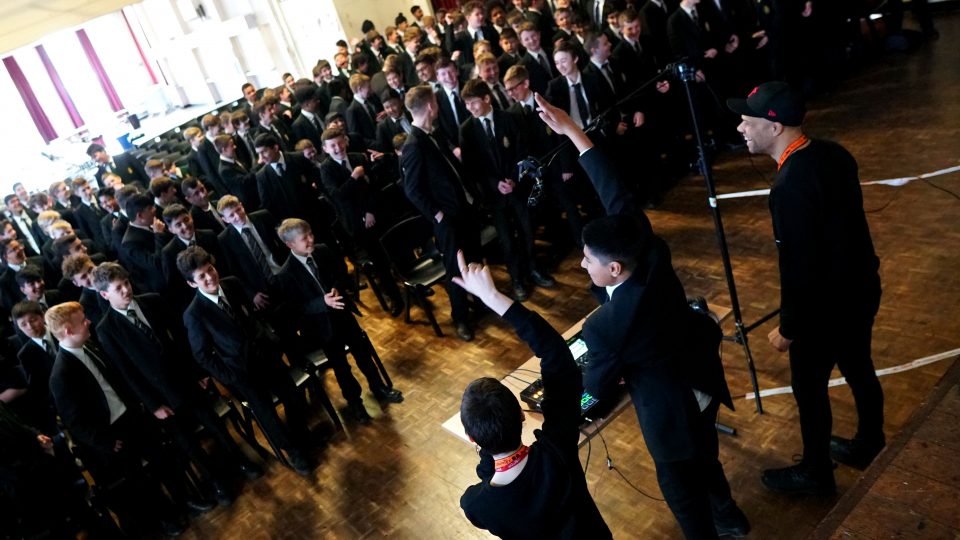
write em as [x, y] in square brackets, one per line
[310, 279]
[243, 354]
[645, 333]
[491, 144]
[79, 270]
[142, 243]
[112, 434]
[147, 346]
[180, 223]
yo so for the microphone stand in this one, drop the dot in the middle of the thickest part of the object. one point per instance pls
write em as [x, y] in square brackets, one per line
[534, 168]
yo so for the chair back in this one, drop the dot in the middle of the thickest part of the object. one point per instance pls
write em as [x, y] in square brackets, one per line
[410, 247]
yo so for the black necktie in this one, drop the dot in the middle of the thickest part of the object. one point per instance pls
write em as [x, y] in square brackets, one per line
[316, 124]
[346, 167]
[280, 169]
[501, 97]
[457, 105]
[258, 253]
[696, 19]
[132, 314]
[371, 111]
[48, 347]
[488, 127]
[581, 104]
[596, 12]
[544, 63]
[314, 271]
[225, 306]
[608, 74]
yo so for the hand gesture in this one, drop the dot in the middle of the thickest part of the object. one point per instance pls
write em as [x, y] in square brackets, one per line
[163, 412]
[369, 220]
[505, 186]
[357, 173]
[261, 301]
[638, 119]
[333, 299]
[476, 279]
[557, 119]
[158, 226]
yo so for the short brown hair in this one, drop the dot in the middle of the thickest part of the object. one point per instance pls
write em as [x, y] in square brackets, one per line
[357, 80]
[475, 88]
[107, 273]
[191, 133]
[209, 120]
[74, 264]
[220, 142]
[417, 98]
[516, 73]
[290, 228]
[227, 201]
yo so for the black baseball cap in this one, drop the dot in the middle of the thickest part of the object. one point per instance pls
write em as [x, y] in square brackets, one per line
[776, 101]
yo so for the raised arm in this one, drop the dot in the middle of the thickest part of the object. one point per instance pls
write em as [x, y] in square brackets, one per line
[561, 377]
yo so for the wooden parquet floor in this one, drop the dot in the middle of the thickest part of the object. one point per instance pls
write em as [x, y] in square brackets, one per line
[402, 476]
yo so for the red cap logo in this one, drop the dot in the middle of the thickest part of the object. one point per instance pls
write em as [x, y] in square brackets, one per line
[754, 91]
[772, 113]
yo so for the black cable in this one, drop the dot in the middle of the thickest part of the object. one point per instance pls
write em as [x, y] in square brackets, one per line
[941, 188]
[524, 381]
[612, 467]
[881, 208]
[589, 450]
[535, 372]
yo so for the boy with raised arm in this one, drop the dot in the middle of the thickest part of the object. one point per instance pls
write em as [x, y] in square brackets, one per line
[537, 491]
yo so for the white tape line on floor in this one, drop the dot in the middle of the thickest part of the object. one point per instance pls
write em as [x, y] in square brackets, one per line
[880, 373]
[887, 182]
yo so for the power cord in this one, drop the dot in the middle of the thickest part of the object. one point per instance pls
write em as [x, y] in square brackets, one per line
[941, 188]
[610, 465]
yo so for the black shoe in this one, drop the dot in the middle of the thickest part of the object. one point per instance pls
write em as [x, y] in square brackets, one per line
[299, 462]
[464, 332]
[733, 523]
[397, 307]
[198, 505]
[222, 494]
[800, 479]
[520, 292]
[854, 452]
[357, 413]
[171, 527]
[388, 394]
[542, 280]
[249, 469]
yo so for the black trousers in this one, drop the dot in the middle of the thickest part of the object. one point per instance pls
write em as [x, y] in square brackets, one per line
[181, 428]
[452, 234]
[515, 235]
[369, 241]
[696, 490]
[345, 330]
[271, 377]
[811, 362]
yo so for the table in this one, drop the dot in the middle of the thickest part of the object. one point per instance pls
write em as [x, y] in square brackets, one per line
[529, 371]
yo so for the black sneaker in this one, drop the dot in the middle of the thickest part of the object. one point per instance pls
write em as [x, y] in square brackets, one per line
[732, 524]
[520, 293]
[541, 279]
[800, 479]
[391, 395]
[854, 452]
[299, 462]
[358, 413]
[464, 332]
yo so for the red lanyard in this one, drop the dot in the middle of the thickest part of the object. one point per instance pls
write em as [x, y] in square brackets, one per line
[511, 461]
[802, 140]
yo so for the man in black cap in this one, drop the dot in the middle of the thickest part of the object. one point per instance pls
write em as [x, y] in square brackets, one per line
[829, 285]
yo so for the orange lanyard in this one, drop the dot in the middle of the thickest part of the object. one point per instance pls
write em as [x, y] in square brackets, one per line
[802, 140]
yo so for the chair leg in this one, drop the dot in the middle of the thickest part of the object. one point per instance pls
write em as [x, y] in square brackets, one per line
[406, 290]
[318, 392]
[376, 358]
[277, 451]
[429, 311]
[369, 272]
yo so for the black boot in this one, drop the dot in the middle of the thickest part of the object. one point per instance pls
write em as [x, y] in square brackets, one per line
[855, 452]
[800, 479]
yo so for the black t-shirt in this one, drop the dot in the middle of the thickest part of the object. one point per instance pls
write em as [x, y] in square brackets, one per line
[549, 498]
[828, 268]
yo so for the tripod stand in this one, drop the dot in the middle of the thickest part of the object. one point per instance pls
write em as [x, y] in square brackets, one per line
[534, 168]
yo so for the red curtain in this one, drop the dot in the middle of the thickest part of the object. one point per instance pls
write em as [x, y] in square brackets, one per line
[30, 100]
[101, 73]
[444, 4]
[61, 89]
[143, 57]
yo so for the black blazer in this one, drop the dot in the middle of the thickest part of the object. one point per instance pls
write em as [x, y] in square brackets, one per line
[304, 129]
[290, 195]
[81, 403]
[228, 347]
[387, 129]
[648, 335]
[176, 286]
[488, 162]
[240, 262]
[354, 197]
[304, 296]
[447, 123]
[34, 231]
[653, 21]
[284, 135]
[434, 180]
[140, 255]
[157, 368]
[106, 229]
[359, 120]
[539, 77]
[239, 180]
[689, 40]
[204, 220]
[204, 163]
[94, 305]
[117, 231]
[89, 221]
[599, 97]
[128, 168]
[36, 366]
